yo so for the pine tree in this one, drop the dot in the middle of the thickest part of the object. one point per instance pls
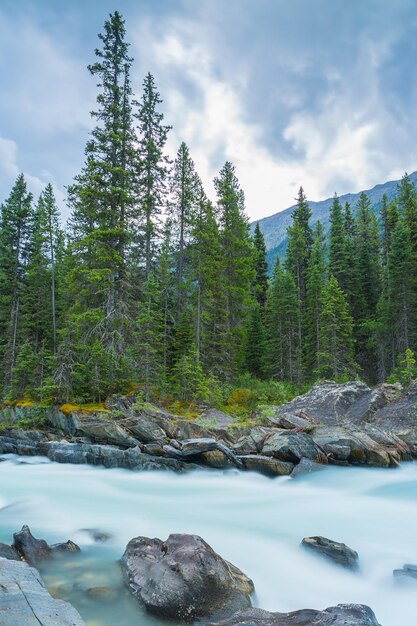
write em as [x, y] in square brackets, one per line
[255, 353]
[338, 246]
[152, 169]
[315, 283]
[282, 313]
[401, 293]
[336, 355]
[407, 202]
[209, 295]
[186, 190]
[260, 286]
[300, 239]
[366, 284]
[149, 347]
[102, 208]
[15, 233]
[237, 271]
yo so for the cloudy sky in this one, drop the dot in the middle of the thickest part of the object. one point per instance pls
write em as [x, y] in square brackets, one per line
[321, 93]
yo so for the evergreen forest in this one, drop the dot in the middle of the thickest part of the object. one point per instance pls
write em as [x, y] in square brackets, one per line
[153, 289]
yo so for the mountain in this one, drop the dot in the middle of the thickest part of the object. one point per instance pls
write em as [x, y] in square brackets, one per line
[274, 227]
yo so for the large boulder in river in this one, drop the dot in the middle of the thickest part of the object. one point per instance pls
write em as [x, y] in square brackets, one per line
[335, 551]
[329, 402]
[340, 615]
[25, 601]
[184, 578]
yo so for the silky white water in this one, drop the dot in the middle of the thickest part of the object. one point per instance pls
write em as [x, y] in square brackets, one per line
[255, 522]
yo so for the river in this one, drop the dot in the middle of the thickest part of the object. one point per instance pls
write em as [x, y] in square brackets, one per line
[255, 522]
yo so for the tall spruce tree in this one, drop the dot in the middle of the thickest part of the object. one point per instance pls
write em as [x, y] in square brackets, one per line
[260, 286]
[16, 223]
[102, 203]
[336, 355]
[282, 313]
[152, 170]
[367, 284]
[237, 267]
[338, 246]
[315, 283]
[300, 239]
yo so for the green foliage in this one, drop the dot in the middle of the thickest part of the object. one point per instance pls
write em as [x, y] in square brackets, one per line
[406, 372]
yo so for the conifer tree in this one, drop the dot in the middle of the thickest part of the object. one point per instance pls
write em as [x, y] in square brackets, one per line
[152, 169]
[102, 208]
[237, 267]
[209, 295]
[255, 353]
[15, 234]
[285, 360]
[261, 267]
[186, 190]
[315, 282]
[366, 284]
[338, 246]
[336, 355]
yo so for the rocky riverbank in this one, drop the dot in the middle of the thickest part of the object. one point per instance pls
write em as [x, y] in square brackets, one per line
[347, 424]
[181, 578]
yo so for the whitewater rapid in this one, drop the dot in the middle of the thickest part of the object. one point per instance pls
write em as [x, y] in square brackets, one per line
[255, 522]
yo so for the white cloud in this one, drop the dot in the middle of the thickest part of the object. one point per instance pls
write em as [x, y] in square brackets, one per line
[336, 146]
[10, 170]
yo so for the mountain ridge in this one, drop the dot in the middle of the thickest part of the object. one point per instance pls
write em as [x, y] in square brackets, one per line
[274, 227]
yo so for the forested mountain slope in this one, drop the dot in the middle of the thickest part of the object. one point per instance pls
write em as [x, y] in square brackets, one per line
[274, 227]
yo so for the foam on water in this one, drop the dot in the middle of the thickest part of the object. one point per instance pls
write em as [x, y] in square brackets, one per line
[255, 522]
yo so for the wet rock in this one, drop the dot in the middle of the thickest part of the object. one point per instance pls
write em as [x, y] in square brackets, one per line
[67, 547]
[337, 552]
[216, 459]
[110, 456]
[340, 615]
[189, 448]
[306, 466]
[252, 442]
[9, 552]
[97, 535]
[329, 402]
[292, 447]
[266, 465]
[407, 571]
[183, 578]
[103, 593]
[353, 445]
[35, 551]
[24, 600]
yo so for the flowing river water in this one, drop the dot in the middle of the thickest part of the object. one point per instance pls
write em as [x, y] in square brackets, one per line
[255, 522]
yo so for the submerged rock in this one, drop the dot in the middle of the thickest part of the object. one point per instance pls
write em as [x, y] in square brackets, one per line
[408, 571]
[183, 578]
[340, 615]
[24, 600]
[306, 466]
[337, 552]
